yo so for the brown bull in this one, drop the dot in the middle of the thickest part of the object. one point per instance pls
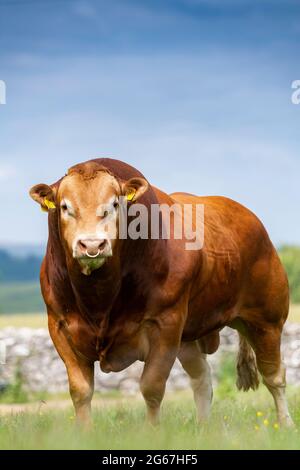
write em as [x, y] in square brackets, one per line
[118, 300]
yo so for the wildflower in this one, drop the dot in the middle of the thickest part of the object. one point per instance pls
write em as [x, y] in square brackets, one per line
[71, 418]
[259, 414]
[276, 426]
[256, 428]
[225, 418]
[266, 422]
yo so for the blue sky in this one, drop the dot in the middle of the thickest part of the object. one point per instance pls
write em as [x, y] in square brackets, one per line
[195, 93]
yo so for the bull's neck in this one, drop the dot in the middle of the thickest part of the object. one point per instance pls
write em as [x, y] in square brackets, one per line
[96, 293]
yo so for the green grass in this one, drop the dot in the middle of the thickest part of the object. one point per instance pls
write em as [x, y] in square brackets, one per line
[238, 421]
[233, 425]
[119, 422]
[22, 297]
[294, 315]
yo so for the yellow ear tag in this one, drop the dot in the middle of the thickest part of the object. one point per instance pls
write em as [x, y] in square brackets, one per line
[130, 195]
[49, 204]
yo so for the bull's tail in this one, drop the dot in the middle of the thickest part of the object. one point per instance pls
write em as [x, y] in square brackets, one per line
[247, 374]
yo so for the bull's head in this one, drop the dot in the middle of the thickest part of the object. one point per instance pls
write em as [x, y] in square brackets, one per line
[87, 204]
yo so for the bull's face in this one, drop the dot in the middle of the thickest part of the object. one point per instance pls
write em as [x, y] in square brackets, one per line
[88, 211]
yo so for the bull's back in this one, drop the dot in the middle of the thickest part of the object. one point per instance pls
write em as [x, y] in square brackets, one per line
[239, 266]
[228, 224]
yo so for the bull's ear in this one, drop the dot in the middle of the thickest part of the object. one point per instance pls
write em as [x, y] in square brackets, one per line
[43, 195]
[134, 188]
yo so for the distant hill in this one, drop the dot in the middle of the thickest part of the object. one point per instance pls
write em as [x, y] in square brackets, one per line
[290, 257]
[14, 268]
[23, 250]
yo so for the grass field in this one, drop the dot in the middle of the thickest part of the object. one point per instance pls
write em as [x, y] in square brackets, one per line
[234, 424]
[294, 315]
[21, 320]
[22, 297]
[119, 422]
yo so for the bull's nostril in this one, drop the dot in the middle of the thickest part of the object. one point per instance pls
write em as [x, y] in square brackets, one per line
[102, 244]
[82, 245]
[92, 246]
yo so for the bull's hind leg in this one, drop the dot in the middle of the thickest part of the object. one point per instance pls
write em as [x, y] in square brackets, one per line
[267, 348]
[266, 344]
[195, 364]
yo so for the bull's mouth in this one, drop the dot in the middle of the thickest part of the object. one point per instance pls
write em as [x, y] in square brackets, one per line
[92, 255]
[89, 263]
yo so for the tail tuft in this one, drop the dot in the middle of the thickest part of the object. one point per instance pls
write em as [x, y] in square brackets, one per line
[247, 374]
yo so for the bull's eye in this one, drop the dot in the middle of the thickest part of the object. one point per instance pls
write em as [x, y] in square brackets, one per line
[116, 205]
[64, 207]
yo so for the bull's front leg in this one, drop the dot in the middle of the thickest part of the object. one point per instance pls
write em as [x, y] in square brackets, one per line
[81, 385]
[80, 373]
[163, 344]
